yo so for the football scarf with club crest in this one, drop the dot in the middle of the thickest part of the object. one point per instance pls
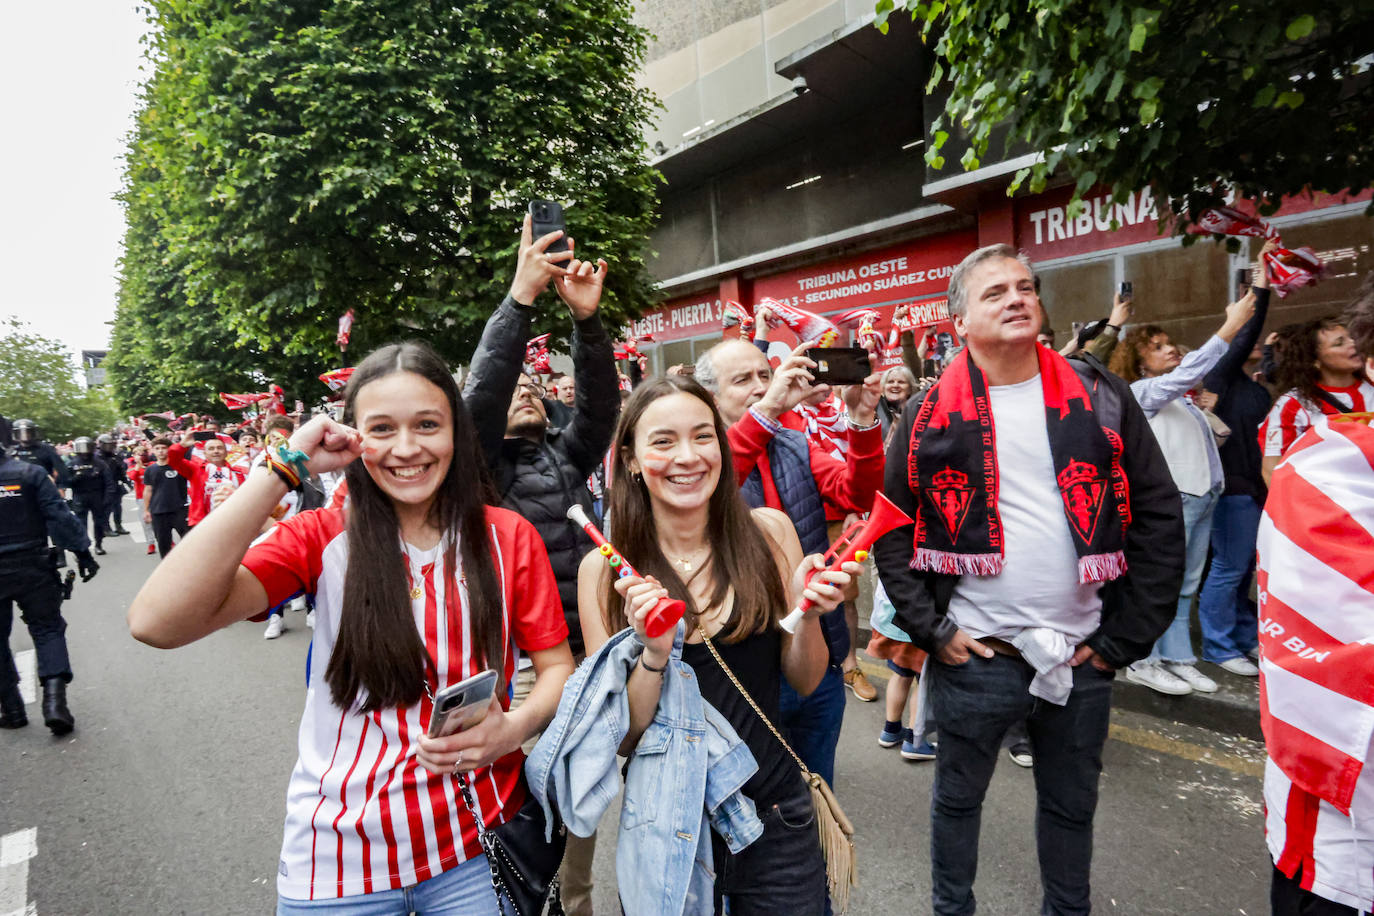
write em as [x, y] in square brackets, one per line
[953, 471]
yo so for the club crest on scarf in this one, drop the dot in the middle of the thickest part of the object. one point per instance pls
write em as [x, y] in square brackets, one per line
[1082, 490]
[951, 496]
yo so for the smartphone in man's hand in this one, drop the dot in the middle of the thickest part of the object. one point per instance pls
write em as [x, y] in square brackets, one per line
[547, 216]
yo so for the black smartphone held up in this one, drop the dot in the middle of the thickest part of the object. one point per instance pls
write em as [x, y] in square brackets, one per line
[1126, 290]
[840, 365]
[204, 435]
[460, 706]
[545, 217]
[1242, 278]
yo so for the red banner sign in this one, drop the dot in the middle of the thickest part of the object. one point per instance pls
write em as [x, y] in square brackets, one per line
[883, 278]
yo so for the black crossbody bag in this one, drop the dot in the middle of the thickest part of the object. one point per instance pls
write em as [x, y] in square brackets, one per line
[524, 866]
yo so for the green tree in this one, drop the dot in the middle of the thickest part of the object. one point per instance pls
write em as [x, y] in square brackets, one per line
[292, 160]
[38, 381]
[1189, 99]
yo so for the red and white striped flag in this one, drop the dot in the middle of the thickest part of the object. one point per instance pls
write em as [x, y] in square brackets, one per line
[1316, 600]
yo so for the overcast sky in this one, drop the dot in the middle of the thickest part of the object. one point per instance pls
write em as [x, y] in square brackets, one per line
[69, 77]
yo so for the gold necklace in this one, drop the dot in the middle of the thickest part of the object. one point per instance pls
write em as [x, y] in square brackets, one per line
[687, 561]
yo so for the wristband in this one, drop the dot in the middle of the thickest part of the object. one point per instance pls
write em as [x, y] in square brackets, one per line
[648, 667]
[1114, 327]
[296, 459]
[285, 472]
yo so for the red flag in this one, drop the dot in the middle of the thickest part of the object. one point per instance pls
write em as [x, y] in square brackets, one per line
[1291, 269]
[240, 401]
[337, 379]
[537, 354]
[1230, 221]
[735, 314]
[806, 325]
[1316, 607]
[345, 329]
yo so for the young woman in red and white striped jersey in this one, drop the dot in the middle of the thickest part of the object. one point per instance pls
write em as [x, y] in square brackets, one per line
[418, 584]
[1321, 375]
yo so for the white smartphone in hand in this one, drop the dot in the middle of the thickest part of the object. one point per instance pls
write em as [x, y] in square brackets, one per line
[460, 706]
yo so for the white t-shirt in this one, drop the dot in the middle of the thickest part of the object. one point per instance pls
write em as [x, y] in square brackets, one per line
[1038, 585]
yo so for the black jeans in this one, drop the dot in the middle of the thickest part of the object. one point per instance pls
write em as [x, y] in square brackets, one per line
[975, 703]
[780, 873]
[1287, 898]
[164, 523]
[32, 583]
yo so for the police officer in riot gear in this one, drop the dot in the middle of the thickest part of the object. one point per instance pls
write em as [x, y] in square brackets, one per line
[105, 446]
[93, 488]
[30, 510]
[28, 445]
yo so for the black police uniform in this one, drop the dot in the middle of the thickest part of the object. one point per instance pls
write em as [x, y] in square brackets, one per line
[44, 456]
[30, 510]
[93, 488]
[114, 508]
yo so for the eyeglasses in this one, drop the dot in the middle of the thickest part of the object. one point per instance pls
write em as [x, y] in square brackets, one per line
[534, 390]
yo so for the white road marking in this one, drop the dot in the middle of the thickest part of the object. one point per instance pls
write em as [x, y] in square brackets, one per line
[27, 663]
[136, 533]
[16, 849]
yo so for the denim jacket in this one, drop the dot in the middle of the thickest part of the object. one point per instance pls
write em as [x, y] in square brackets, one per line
[684, 778]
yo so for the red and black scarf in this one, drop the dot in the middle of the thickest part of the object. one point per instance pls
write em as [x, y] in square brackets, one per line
[952, 469]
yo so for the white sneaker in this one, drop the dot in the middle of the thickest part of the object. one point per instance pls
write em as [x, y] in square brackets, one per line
[1152, 675]
[1195, 678]
[310, 619]
[1253, 655]
[274, 627]
[1242, 666]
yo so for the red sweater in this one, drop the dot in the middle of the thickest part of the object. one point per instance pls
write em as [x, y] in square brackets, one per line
[204, 479]
[849, 485]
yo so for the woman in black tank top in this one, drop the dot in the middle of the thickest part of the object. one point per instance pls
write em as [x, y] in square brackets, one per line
[678, 518]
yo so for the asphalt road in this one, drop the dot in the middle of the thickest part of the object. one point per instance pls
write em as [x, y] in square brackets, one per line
[169, 796]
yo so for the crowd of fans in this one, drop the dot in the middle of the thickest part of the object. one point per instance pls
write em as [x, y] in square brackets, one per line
[1045, 556]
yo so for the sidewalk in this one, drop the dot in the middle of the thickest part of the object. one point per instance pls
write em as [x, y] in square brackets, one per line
[1232, 710]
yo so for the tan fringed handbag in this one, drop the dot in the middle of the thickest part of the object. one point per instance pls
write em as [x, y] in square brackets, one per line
[836, 831]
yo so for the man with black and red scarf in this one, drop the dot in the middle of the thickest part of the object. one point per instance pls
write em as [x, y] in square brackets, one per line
[1047, 552]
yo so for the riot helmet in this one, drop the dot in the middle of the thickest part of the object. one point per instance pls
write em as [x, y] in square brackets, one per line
[105, 442]
[84, 448]
[24, 432]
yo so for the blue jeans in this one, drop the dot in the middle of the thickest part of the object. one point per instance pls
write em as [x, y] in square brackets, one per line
[1229, 627]
[975, 703]
[1176, 645]
[811, 724]
[464, 890]
[783, 871]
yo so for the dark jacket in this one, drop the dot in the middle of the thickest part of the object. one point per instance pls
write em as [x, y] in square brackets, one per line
[36, 513]
[1242, 404]
[1136, 608]
[541, 480]
[93, 483]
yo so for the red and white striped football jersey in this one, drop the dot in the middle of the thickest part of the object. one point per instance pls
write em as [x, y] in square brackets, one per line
[361, 814]
[1291, 415]
[1316, 599]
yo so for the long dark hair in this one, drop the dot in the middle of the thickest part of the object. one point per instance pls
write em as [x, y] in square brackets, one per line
[1297, 351]
[378, 650]
[742, 555]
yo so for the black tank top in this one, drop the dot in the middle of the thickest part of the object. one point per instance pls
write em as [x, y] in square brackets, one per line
[756, 661]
